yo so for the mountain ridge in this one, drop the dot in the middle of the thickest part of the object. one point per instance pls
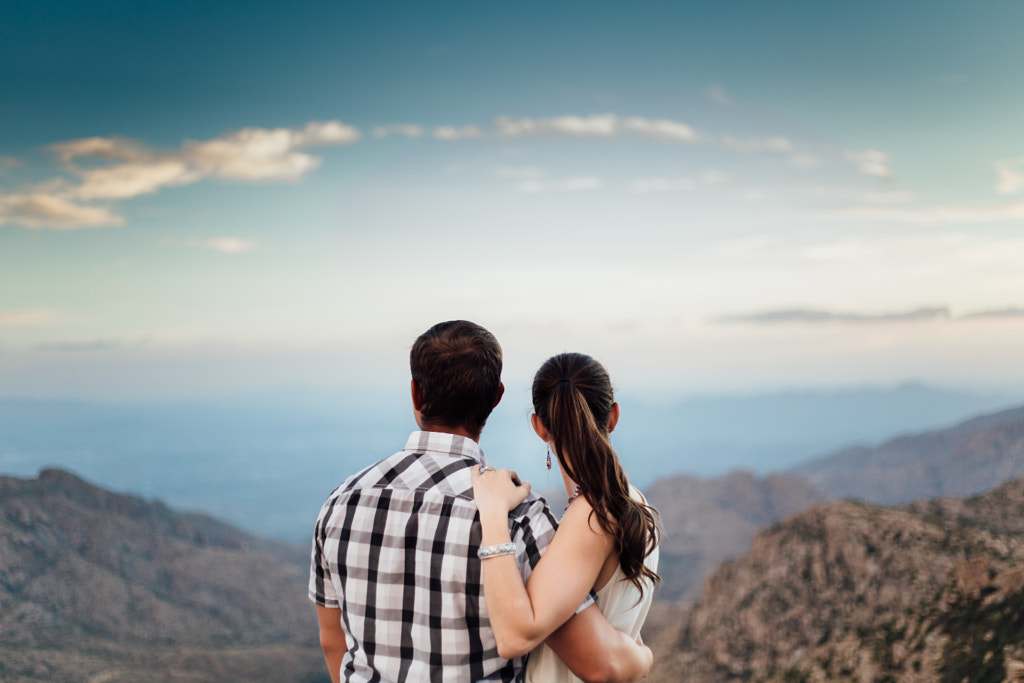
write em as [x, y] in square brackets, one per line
[115, 583]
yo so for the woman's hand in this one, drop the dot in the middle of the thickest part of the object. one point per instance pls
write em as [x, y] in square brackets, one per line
[497, 491]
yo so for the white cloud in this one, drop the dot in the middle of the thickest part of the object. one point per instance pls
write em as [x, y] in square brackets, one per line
[225, 245]
[596, 125]
[453, 133]
[777, 143]
[132, 179]
[660, 129]
[409, 130]
[1009, 176]
[38, 210]
[246, 155]
[36, 316]
[600, 125]
[716, 94]
[871, 162]
[8, 161]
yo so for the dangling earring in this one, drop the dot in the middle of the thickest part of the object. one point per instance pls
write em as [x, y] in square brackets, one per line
[549, 457]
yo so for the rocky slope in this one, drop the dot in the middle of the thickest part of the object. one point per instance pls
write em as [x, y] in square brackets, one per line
[850, 592]
[96, 585]
[708, 521]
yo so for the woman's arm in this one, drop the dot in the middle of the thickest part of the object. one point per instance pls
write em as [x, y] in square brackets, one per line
[524, 616]
[621, 659]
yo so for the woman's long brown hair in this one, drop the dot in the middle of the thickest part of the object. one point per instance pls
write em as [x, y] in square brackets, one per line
[572, 396]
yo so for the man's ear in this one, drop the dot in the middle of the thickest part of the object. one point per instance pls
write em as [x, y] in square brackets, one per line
[501, 392]
[613, 417]
[417, 397]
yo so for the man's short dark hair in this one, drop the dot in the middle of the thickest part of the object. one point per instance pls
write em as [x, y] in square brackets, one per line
[457, 367]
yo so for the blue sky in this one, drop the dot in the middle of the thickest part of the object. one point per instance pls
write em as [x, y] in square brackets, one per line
[214, 198]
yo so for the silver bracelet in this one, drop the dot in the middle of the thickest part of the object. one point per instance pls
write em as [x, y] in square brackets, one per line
[486, 551]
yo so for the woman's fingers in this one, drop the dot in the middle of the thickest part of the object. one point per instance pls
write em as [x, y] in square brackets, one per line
[490, 484]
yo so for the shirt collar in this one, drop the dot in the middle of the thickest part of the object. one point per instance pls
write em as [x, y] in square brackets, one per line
[451, 445]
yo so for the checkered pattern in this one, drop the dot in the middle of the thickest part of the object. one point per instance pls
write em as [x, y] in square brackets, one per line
[395, 548]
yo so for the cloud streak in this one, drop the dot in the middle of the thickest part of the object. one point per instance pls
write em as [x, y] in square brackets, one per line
[38, 210]
[818, 316]
[596, 126]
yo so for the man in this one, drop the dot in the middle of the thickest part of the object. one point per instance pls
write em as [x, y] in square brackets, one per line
[395, 573]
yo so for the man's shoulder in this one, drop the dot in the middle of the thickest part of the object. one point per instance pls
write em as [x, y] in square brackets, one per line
[534, 512]
[411, 472]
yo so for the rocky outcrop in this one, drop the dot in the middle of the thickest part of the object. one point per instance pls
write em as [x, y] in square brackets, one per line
[708, 521]
[850, 592]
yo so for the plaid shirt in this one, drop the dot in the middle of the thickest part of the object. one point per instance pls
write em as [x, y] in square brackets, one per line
[395, 548]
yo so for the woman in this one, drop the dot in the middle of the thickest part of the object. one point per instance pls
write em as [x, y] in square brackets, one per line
[607, 540]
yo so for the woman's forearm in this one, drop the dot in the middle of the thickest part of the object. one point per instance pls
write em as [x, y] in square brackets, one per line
[508, 602]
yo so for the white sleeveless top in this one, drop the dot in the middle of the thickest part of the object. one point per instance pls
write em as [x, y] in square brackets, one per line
[618, 602]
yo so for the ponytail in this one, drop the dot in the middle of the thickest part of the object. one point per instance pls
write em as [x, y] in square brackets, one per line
[572, 396]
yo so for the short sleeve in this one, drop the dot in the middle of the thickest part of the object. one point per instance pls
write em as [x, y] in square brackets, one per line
[321, 587]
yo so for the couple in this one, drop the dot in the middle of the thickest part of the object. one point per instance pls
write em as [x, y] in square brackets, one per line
[427, 565]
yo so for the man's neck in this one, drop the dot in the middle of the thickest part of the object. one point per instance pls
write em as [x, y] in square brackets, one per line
[443, 429]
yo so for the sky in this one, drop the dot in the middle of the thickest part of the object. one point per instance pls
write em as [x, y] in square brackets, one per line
[203, 199]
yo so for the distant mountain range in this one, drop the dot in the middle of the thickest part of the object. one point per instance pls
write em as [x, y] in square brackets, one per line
[850, 592]
[969, 458]
[96, 585]
[229, 457]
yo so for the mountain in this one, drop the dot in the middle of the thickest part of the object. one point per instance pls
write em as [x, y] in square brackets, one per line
[96, 585]
[845, 591]
[971, 457]
[706, 521]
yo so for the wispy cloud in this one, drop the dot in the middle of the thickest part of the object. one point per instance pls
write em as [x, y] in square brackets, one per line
[457, 133]
[1009, 176]
[409, 130]
[40, 210]
[776, 143]
[224, 245]
[8, 162]
[817, 316]
[1001, 313]
[871, 162]
[129, 169]
[596, 125]
[246, 155]
[38, 316]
